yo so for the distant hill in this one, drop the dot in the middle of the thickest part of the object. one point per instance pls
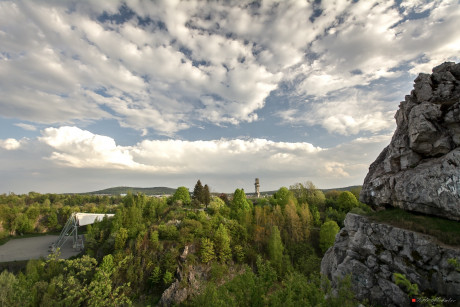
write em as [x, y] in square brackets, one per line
[342, 189]
[124, 190]
[170, 191]
[323, 190]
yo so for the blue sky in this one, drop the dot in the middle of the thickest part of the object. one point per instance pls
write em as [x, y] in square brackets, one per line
[95, 94]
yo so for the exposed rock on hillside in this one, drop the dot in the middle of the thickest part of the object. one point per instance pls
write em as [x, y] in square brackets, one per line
[372, 252]
[420, 169]
[190, 279]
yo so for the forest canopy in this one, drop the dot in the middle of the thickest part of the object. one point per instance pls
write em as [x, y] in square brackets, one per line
[245, 251]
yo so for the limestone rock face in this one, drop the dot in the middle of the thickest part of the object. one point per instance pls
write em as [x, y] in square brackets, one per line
[420, 169]
[372, 252]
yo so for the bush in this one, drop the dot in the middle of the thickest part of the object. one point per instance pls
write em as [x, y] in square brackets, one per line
[168, 232]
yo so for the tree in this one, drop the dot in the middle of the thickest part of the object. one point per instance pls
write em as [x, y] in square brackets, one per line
[347, 201]
[306, 219]
[168, 278]
[293, 223]
[314, 196]
[183, 195]
[327, 235]
[198, 192]
[239, 201]
[216, 204]
[207, 250]
[120, 238]
[275, 249]
[222, 244]
[206, 195]
[283, 196]
[308, 193]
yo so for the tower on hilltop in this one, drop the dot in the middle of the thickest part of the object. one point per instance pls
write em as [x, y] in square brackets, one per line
[257, 186]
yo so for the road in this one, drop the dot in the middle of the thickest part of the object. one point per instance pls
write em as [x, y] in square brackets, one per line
[33, 248]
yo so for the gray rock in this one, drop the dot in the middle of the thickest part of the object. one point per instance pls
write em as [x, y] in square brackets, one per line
[420, 169]
[417, 256]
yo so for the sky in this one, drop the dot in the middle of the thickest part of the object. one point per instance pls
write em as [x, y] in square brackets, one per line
[96, 94]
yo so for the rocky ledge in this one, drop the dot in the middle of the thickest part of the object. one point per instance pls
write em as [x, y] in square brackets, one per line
[420, 169]
[372, 252]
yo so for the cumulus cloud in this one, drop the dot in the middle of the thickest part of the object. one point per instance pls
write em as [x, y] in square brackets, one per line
[83, 149]
[79, 148]
[75, 148]
[168, 66]
[10, 144]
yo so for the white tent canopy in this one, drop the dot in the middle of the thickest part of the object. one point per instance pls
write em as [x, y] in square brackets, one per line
[71, 228]
[89, 218]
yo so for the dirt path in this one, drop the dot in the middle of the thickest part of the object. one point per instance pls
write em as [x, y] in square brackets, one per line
[33, 248]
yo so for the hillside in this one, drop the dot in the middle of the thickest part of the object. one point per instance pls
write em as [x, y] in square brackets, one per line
[124, 190]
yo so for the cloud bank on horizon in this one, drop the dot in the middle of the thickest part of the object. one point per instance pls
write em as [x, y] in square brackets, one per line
[289, 90]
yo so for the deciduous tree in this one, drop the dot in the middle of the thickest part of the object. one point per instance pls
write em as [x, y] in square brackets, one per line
[275, 249]
[182, 194]
[222, 244]
[327, 235]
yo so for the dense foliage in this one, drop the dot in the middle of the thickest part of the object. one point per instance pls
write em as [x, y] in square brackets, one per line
[254, 252]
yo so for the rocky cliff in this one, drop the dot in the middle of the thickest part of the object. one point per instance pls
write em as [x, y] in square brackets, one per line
[371, 252]
[420, 169]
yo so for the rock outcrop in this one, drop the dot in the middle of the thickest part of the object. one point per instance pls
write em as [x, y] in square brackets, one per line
[190, 279]
[372, 252]
[420, 169]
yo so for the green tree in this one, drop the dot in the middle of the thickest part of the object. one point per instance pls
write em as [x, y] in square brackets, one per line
[401, 280]
[347, 201]
[275, 249]
[239, 253]
[182, 194]
[206, 195]
[283, 196]
[120, 238]
[216, 204]
[309, 194]
[8, 283]
[52, 220]
[155, 278]
[198, 194]
[327, 235]
[207, 250]
[239, 201]
[154, 239]
[167, 278]
[314, 196]
[222, 244]
[315, 215]
[293, 224]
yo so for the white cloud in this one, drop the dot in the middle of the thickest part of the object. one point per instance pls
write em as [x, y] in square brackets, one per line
[10, 144]
[26, 126]
[195, 62]
[74, 148]
[83, 149]
[346, 112]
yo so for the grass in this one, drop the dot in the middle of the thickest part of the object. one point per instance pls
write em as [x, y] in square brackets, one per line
[444, 230]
